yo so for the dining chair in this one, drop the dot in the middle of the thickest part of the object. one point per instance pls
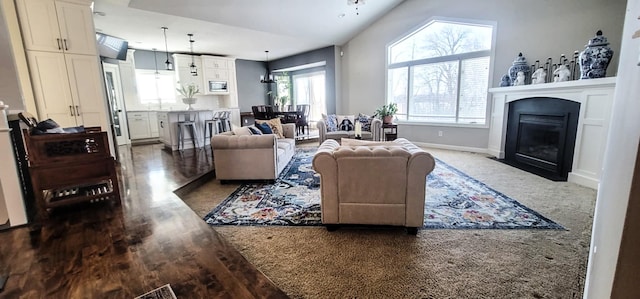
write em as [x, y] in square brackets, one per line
[303, 118]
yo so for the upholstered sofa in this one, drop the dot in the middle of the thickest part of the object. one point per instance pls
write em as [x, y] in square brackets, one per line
[381, 183]
[240, 155]
[375, 133]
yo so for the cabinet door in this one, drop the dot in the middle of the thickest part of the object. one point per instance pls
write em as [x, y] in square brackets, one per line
[138, 125]
[39, 25]
[164, 132]
[153, 124]
[76, 28]
[217, 63]
[87, 90]
[51, 87]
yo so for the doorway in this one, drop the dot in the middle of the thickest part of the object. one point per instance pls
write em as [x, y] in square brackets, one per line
[309, 88]
[116, 103]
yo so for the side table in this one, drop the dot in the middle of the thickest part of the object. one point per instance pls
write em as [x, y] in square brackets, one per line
[390, 131]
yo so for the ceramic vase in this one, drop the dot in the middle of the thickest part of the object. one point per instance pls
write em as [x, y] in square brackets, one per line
[189, 101]
[595, 58]
[519, 65]
[387, 119]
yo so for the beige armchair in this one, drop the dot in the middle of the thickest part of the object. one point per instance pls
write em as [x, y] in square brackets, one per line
[373, 184]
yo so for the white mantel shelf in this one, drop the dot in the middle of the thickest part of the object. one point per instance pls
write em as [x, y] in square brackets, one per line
[596, 99]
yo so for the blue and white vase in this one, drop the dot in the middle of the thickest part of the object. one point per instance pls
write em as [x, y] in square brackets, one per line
[595, 58]
[519, 65]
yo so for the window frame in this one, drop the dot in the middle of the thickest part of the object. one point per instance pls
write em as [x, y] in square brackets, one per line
[160, 101]
[459, 58]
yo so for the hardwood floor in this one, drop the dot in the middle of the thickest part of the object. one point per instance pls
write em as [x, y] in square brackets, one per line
[100, 250]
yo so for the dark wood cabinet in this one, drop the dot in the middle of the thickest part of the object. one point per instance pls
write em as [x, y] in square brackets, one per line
[71, 168]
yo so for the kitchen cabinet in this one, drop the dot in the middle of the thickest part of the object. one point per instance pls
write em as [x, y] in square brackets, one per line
[142, 124]
[168, 126]
[57, 26]
[183, 71]
[60, 43]
[68, 88]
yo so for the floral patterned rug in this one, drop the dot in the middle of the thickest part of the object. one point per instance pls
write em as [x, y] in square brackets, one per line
[454, 200]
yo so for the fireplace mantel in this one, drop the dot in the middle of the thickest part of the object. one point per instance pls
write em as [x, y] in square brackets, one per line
[595, 97]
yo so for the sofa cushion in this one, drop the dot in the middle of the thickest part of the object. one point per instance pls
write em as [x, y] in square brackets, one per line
[286, 144]
[330, 122]
[264, 128]
[275, 124]
[241, 131]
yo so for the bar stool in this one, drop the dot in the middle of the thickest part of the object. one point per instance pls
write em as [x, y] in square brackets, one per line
[225, 119]
[187, 121]
[212, 126]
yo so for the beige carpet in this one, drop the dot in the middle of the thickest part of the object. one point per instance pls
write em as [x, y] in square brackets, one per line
[309, 262]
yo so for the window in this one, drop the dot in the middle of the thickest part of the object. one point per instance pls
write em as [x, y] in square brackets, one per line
[155, 88]
[440, 73]
[309, 88]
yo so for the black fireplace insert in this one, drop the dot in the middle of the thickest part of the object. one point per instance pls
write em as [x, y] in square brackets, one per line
[541, 136]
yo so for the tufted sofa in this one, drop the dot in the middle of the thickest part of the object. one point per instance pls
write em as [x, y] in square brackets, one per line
[238, 155]
[375, 134]
[381, 183]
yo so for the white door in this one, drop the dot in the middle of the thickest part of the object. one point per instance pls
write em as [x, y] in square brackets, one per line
[76, 28]
[86, 90]
[39, 25]
[116, 102]
[51, 87]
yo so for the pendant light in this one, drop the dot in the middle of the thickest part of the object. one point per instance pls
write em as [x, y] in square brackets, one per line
[267, 77]
[167, 63]
[192, 67]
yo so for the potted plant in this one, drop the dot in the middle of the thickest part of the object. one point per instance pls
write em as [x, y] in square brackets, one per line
[386, 112]
[188, 92]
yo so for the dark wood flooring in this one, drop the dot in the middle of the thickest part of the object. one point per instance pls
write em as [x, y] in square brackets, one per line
[100, 250]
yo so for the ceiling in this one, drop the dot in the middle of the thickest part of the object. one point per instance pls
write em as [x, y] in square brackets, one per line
[237, 28]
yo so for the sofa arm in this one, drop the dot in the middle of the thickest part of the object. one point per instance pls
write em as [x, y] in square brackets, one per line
[243, 142]
[326, 165]
[376, 129]
[420, 164]
[289, 130]
[322, 130]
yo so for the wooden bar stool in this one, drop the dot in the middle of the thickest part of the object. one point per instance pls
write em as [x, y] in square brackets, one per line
[187, 120]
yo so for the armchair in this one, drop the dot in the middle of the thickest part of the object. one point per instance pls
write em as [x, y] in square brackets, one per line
[377, 184]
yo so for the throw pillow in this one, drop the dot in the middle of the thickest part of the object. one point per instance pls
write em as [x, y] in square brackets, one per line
[242, 131]
[330, 122]
[275, 124]
[365, 120]
[341, 119]
[254, 130]
[346, 125]
[264, 128]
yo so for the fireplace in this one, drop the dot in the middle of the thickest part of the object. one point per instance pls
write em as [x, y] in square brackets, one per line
[541, 136]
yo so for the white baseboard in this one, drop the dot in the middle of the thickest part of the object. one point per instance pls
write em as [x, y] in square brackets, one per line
[583, 180]
[453, 147]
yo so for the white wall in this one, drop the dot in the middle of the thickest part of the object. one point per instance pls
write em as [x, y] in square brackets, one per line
[620, 154]
[538, 29]
[9, 88]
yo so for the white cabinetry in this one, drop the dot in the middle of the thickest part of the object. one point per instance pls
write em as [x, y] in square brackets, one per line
[221, 69]
[142, 124]
[68, 88]
[59, 37]
[183, 71]
[57, 26]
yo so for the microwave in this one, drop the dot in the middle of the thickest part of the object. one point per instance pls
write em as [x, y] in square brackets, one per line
[218, 86]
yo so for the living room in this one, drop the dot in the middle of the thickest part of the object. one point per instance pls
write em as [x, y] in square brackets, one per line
[538, 31]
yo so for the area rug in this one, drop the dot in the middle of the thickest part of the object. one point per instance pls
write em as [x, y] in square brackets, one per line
[454, 200]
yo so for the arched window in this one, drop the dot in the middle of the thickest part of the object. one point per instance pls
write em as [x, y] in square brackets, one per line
[439, 73]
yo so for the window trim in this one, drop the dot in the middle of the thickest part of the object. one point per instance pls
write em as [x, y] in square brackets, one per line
[476, 54]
